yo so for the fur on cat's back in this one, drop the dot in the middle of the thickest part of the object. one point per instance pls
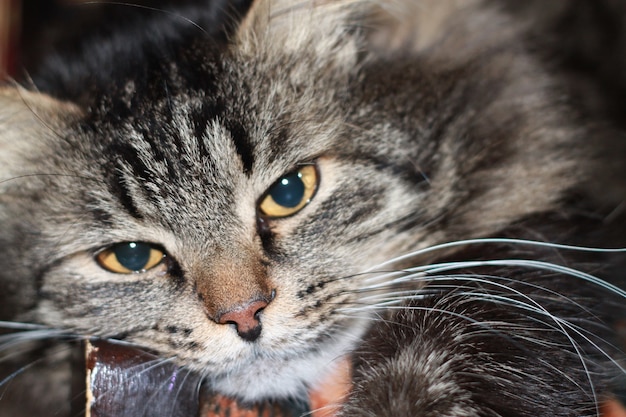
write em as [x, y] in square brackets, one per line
[421, 123]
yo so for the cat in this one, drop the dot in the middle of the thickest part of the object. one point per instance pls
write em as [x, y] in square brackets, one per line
[391, 180]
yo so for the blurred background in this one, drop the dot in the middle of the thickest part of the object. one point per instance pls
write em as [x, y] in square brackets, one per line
[31, 29]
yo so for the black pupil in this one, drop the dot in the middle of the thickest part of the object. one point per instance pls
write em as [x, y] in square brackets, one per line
[133, 256]
[288, 191]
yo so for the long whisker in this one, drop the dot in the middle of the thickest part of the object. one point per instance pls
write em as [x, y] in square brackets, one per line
[153, 9]
[18, 372]
[492, 280]
[534, 306]
[21, 326]
[43, 174]
[424, 271]
[482, 241]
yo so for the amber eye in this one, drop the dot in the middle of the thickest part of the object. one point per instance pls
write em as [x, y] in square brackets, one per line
[290, 193]
[129, 257]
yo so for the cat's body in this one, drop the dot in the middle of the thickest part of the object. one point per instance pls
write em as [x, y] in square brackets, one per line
[412, 124]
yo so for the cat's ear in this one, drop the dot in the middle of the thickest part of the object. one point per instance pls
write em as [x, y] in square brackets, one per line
[28, 122]
[351, 28]
[322, 28]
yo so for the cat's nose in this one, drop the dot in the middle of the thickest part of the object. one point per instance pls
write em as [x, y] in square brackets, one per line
[246, 319]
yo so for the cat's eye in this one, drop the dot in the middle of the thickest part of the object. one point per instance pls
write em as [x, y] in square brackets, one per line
[129, 257]
[290, 193]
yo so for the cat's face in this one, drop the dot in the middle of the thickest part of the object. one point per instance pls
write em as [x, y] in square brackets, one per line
[223, 207]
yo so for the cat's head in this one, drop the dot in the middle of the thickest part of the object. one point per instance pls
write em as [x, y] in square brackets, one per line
[221, 204]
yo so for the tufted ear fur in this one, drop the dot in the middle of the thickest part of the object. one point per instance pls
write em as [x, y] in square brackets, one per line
[293, 24]
[28, 122]
[328, 27]
[323, 29]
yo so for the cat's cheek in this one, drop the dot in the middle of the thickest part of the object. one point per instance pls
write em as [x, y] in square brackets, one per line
[79, 296]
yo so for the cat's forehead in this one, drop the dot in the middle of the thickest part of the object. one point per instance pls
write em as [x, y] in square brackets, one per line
[222, 112]
[200, 142]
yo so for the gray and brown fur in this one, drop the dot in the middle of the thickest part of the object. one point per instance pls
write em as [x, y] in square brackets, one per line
[429, 121]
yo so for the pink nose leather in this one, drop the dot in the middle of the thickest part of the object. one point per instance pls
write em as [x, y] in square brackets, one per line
[246, 319]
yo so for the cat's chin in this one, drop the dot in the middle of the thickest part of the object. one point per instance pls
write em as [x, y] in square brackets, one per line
[271, 377]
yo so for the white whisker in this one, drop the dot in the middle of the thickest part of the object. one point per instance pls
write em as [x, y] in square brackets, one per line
[9, 340]
[393, 299]
[468, 242]
[18, 372]
[422, 272]
[21, 326]
[153, 9]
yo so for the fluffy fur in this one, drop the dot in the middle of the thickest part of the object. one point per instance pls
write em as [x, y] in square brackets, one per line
[429, 122]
